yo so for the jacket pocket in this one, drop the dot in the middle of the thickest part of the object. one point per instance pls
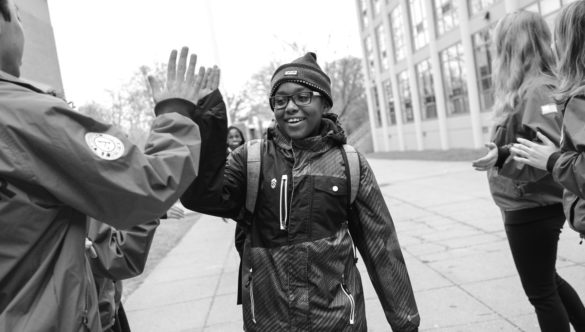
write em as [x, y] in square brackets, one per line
[329, 206]
[351, 301]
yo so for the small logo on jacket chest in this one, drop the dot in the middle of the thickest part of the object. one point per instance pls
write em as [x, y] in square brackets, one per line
[273, 183]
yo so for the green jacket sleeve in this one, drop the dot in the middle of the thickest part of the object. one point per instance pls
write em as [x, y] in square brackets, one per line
[92, 166]
[120, 254]
[568, 169]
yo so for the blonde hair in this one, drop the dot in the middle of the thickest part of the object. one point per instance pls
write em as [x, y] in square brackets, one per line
[570, 39]
[523, 54]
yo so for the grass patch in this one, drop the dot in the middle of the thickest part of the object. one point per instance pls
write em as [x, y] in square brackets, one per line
[167, 236]
[437, 155]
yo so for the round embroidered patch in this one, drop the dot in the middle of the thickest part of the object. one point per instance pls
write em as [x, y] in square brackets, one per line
[105, 146]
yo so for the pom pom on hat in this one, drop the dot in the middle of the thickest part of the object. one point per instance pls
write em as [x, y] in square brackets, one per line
[305, 71]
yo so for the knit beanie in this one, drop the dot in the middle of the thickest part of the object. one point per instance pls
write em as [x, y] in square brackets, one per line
[304, 71]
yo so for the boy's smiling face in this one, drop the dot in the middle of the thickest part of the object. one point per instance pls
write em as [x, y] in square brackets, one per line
[299, 122]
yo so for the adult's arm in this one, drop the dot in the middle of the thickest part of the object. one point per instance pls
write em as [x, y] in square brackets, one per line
[121, 254]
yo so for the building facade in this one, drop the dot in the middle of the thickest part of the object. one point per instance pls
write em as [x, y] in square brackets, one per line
[40, 63]
[428, 67]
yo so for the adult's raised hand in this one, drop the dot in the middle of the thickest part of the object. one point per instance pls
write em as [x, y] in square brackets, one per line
[182, 82]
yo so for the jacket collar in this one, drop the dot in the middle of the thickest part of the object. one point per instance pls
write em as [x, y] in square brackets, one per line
[4, 76]
[330, 134]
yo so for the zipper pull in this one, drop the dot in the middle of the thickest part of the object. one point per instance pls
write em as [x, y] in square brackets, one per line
[283, 207]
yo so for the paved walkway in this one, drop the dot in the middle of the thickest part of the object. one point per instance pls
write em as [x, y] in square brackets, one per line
[453, 242]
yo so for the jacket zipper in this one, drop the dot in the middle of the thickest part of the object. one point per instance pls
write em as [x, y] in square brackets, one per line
[292, 178]
[351, 303]
[251, 283]
[85, 314]
[283, 201]
[353, 248]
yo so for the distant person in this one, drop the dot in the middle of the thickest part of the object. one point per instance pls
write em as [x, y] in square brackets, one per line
[57, 167]
[529, 198]
[235, 138]
[299, 259]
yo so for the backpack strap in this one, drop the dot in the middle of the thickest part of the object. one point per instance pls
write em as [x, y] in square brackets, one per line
[253, 165]
[352, 167]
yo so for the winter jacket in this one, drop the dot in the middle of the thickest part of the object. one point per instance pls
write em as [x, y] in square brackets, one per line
[58, 166]
[299, 261]
[568, 165]
[516, 186]
[121, 254]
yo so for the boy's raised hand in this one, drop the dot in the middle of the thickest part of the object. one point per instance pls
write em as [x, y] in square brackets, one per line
[210, 82]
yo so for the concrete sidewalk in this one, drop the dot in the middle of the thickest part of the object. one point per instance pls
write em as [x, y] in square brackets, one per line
[453, 242]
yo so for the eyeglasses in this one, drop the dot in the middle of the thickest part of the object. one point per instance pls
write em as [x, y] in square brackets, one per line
[299, 99]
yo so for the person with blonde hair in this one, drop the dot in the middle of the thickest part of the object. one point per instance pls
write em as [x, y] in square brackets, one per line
[529, 198]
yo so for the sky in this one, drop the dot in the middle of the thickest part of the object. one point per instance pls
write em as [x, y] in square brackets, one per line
[100, 44]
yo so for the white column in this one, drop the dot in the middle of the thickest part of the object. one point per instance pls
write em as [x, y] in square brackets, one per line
[511, 5]
[369, 97]
[378, 86]
[394, 82]
[472, 89]
[437, 78]
[412, 81]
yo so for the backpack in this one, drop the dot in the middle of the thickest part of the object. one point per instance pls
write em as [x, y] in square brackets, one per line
[254, 163]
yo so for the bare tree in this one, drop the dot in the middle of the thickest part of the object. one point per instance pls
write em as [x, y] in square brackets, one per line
[236, 104]
[131, 106]
[347, 89]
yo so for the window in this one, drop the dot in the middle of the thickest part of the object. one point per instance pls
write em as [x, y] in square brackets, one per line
[447, 18]
[364, 9]
[483, 50]
[454, 80]
[545, 7]
[370, 57]
[376, 6]
[426, 90]
[476, 6]
[382, 52]
[406, 98]
[398, 34]
[390, 100]
[376, 102]
[419, 23]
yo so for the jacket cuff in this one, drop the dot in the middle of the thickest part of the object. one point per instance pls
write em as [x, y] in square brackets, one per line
[174, 105]
[552, 160]
[503, 154]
